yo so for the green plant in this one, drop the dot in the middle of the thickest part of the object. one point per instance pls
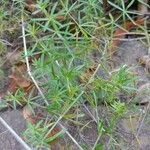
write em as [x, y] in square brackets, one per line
[36, 134]
[64, 39]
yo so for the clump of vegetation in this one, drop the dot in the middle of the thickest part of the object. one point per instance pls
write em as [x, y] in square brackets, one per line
[68, 46]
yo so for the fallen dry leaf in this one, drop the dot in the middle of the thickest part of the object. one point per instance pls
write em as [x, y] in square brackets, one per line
[145, 61]
[30, 5]
[28, 115]
[142, 8]
[120, 32]
[17, 79]
[14, 57]
[12, 86]
[53, 132]
[18, 76]
[143, 94]
[60, 17]
[87, 74]
[128, 25]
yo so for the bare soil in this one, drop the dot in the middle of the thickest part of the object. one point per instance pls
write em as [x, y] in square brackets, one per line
[129, 53]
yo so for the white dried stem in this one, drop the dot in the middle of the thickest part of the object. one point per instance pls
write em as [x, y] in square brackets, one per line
[28, 66]
[15, 134]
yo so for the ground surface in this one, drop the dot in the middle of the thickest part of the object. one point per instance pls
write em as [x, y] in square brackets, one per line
[129, 52]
